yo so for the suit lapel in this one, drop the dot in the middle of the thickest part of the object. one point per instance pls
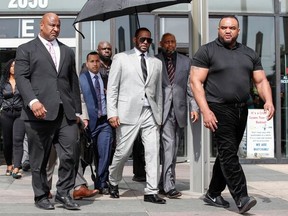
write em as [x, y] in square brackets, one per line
[137, 65]
[165, 77]
[62, 56]
[90, 83]
[177, 72]
[149, 62]
[44, 50]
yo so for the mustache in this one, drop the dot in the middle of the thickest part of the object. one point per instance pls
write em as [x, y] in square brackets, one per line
[168, 51]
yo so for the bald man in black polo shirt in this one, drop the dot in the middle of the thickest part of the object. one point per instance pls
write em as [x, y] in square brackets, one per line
[220, 79]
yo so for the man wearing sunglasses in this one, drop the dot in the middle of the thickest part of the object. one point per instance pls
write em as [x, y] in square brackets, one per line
[134, 105]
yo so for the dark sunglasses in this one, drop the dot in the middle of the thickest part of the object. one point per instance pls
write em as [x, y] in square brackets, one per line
[143, 39]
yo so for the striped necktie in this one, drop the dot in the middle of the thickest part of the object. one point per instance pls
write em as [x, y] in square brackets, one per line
[170, 69]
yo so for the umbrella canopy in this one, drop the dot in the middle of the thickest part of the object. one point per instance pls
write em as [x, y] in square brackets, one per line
[107, 9]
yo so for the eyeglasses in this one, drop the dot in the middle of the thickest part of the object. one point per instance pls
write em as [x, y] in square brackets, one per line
[143, 39]
[106, 48]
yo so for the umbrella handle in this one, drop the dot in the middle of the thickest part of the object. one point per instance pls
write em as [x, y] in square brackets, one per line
[137, 18]
[78, 31]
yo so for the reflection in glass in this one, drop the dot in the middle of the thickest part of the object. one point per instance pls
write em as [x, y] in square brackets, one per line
[9, 28]
[126, 27]
[179, 26]
[29, 28]
[284, 84]
[94, 32]
[234, 6]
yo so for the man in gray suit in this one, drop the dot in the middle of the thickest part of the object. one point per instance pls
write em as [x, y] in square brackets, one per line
[47, 80]
[134, 105]
[176, 68]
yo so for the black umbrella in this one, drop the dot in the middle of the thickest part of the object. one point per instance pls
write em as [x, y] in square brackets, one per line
[107, 9]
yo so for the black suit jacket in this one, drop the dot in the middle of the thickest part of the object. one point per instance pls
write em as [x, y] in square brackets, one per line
[37, 78]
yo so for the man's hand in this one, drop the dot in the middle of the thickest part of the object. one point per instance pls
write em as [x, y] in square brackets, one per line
[114, 121]
[38, 110]
[194, 116]
[85, 122]
[210, 120]
[269, 109]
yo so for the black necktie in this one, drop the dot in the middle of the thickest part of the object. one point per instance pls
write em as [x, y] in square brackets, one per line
[98, 95]
[143, 66]
[170, 69]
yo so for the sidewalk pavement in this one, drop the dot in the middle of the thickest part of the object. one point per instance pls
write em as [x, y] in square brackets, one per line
[267, 183]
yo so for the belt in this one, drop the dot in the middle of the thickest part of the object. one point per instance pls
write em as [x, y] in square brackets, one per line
[236, 105]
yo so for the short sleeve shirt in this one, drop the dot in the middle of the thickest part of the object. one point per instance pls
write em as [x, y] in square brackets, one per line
[230, 71]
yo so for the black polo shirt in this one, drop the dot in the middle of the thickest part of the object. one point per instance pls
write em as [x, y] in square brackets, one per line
[230, 71]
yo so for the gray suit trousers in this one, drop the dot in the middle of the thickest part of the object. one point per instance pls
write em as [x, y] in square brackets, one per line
[126, 135]
[171, 135]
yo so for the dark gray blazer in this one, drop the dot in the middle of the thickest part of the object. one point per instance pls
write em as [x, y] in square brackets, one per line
[178, 93]
[37, 78]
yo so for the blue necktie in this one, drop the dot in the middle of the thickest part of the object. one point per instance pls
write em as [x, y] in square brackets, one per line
[98, 95]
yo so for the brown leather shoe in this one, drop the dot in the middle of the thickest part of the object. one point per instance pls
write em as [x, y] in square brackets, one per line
[84, 192]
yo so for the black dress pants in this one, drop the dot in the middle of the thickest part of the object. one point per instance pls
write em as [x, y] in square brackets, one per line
[227, 169]
[41, 135]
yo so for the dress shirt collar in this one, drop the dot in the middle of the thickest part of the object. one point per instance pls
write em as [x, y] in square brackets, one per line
[44, 41]
[172, 55]
[93, 75]
[138, 53]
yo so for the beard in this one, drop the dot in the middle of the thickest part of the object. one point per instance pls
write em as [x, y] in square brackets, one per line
[168, 52]
[227, 43]
[105, 58]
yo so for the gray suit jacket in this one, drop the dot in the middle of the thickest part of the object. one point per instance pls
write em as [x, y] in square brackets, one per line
[178, 93]
[126, 87]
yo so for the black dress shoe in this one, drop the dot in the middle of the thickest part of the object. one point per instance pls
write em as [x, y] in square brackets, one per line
[104, 191]
[172, 194]
[44, 204]
[162, 192]
[154, 198]
[67, 202]
[26, 165]
[113, 190]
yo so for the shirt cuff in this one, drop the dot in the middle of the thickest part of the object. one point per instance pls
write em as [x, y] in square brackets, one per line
[31, 102]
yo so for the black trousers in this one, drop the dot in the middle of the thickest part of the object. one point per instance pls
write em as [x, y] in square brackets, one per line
[227, 169]
[13, 132]
[63, 134]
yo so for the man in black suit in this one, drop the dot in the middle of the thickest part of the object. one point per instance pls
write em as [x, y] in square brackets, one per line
[47, 80]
